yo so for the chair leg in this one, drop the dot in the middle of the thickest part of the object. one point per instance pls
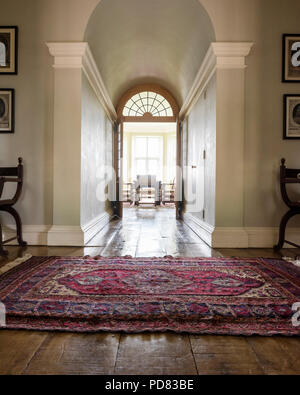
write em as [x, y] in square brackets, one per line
[2, 251]
[282, 229]
[17, 218]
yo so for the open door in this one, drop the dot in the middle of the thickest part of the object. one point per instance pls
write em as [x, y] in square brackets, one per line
[118, 161]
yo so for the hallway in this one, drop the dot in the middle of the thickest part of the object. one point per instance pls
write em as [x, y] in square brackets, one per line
[149, 232]
[145, 232]
[185, 103]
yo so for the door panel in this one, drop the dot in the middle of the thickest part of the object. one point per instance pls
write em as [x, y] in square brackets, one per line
[118, 167]
[178, 193]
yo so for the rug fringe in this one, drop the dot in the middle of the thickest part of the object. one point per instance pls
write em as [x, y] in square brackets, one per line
[16, 262]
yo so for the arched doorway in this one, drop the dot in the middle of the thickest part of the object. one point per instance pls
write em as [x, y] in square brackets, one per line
[134, 54]
[147, 104]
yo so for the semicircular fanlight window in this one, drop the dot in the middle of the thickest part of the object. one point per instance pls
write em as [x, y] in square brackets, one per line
[147, 103]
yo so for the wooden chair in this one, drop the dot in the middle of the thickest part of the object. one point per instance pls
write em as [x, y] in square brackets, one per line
[11, 175]
[168, 193]
[147, 190]
[287, 176]
[127, 192]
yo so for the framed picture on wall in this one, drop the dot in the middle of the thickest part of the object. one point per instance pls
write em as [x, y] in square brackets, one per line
[291, 58]
[8, 49]
[7, 110]
[291, 127]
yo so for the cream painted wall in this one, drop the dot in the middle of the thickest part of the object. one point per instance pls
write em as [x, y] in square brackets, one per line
[40, 21]
[33, 138]
[264, 146]
[96, 154]
[260, 21]
[67, 147]
[230, 146]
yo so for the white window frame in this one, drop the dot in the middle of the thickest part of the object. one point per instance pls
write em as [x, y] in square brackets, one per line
[147, 158]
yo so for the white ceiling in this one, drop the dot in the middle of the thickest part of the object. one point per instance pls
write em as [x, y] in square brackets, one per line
[149, 41]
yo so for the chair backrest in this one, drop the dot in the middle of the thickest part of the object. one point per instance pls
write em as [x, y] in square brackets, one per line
[287, 175]
[146, 181]
[8, 172]
[12, 171]
[15, 174]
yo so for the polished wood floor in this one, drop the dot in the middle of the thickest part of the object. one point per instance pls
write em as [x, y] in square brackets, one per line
[145, 232]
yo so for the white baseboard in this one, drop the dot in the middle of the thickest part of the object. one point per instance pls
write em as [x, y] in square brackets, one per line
[201, 228]
[252, 237]
[77, 236]
[230, 238]
[59, 236]
[68, 236]
[95, 226]
[268, 237]
[33, 234]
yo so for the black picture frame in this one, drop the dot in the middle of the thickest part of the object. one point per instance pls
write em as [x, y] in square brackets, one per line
[290, 73]
[7, 110]
[9, 38]
[291, 103]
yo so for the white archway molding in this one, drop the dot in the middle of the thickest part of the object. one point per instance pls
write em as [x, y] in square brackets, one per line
[222, 55]
[227, 61]
[72, 61]
[130, 49]
[79, 56]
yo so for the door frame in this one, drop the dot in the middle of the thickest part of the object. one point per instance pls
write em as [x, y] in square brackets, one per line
[119, 136]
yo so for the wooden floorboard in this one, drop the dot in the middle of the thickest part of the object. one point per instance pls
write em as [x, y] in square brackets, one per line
[65, 353]
[145, 232]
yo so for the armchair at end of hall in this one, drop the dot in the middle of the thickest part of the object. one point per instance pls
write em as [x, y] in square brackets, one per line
[287, 176]
[147, 190]
[11, 175]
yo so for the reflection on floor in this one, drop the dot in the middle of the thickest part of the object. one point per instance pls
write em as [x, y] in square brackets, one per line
[145, 232]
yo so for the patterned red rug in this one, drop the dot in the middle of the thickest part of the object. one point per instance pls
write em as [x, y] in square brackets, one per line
[194, 295]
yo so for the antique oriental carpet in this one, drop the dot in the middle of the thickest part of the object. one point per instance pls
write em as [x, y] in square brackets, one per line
[196, 295]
